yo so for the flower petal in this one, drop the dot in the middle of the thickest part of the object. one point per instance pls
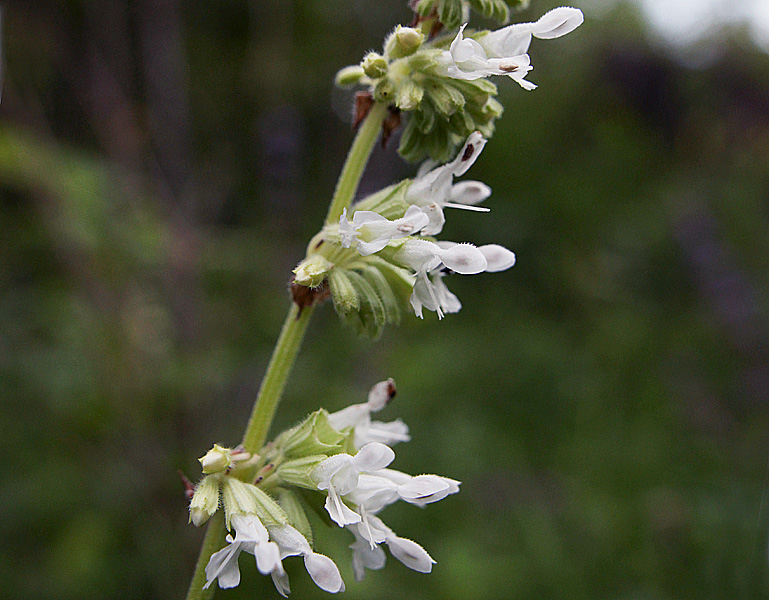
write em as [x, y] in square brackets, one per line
[469, 192]
[224, 566]
[324, 573]
[411, 554]
[380, 394]
[373, 456]
[339, 512]
[557, 22]
[463, 258]
[498, 258]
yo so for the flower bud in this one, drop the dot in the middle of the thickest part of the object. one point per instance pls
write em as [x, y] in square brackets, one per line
[205, 501]
[404, 41]
[312, 270]
[374, 65]
[349, 76]
[216, 460]
[408, 95]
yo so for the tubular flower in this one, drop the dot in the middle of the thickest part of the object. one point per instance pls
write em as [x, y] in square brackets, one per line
[504, 51]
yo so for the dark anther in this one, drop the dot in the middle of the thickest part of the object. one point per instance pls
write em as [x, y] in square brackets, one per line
[468, 152]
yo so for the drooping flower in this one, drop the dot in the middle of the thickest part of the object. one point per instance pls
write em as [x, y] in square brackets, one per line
[426, 259]
[250, 536]
[432, 189]
[339, 475]
[321, 568]
[504, 51]
[430, 291]
[370, 231]
[365, 430]
[365, 556]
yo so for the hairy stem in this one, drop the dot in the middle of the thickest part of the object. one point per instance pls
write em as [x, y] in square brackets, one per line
[211, 543]
[283, 357]
[289, 342]
[356, 161]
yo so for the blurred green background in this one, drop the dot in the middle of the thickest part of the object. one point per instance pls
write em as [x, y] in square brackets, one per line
[163, 163]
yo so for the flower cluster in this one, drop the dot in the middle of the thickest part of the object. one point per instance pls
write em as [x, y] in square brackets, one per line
[344, 457]
[386, 254]
[441, 79]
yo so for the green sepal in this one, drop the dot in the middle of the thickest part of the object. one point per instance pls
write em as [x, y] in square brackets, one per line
[205, 500]
[380, 284]
[389, 202]
[401, 280]
[312, 436]
[492, 9]
[369, 320]
[343, 292]
[293, 506]
[267, 509]
[237, 499]
[450, 13]
[297, 471]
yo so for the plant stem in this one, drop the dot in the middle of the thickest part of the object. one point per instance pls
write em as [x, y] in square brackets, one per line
[356, 161]
[287, 347]
[275, 378]
[211, 543]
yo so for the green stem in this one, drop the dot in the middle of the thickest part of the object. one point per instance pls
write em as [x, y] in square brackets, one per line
[283, 357]
[287, 347]
[211, 543]
[356, 161]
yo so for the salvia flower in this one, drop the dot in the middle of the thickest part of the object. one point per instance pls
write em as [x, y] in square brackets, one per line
[250, 536]
[339, 456]
[320, 567]
[504, 51]
[370, 231]
[433, 190]
[358, 418]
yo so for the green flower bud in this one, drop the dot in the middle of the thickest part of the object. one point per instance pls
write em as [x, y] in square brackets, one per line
[205, 500]
[404, 41]
[312, 270]
[374, 65]
[349, 76]
[216, 460]
[409, 95]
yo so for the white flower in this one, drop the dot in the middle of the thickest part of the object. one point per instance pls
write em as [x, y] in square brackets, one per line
[366, 556]
[432, 189]
[430, 291]
[250, 536]
[426, 259]
[467, 59]
[339, 474]
[321, 568]
[370, 231]
[420, 489]
[358, 417]
[503, 52]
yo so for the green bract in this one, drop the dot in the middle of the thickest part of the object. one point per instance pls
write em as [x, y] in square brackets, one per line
[450, 12]
[411, 76]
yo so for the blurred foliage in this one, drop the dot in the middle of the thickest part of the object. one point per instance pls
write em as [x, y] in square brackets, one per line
[162, 165]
